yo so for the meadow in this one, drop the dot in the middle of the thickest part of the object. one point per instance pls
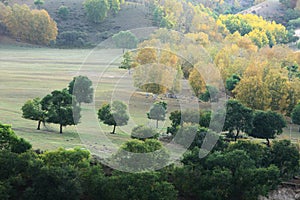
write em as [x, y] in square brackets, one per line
[26, 73]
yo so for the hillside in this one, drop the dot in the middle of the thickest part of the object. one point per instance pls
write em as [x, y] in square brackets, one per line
[131, 16]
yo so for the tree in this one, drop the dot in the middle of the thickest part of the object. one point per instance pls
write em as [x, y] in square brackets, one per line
[296, 115]
[238, 118]
[96, 10]
[232, 81]
[63, 12]
[32, 110]
[142, 132]
[125, 40]
[127, 61]
[81, 88]
[267, 124]
[210, 94]
[38, 3]
[158, 112]
[114, 6]
[9, 140]
[60, 109]
[114, 114]
[197, 82]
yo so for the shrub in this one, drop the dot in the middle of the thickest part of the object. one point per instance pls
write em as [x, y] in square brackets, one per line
[63, 12]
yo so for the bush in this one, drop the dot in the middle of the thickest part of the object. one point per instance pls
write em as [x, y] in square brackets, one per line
[143, 132]
[63, 12]
[72, 39]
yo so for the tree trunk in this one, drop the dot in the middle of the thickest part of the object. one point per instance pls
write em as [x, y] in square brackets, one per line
[60, 128]
[39, 125]
[156, 123]
[114, 129]
[237, 135]
[268, 142]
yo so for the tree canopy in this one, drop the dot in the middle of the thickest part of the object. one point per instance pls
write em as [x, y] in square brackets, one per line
[82, 88]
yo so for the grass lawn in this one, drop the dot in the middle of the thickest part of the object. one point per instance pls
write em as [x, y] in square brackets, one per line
[26, 73]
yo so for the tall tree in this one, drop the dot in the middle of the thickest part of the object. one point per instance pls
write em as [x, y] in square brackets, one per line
[238, 118]
[96, 10]
[114, 114]
[32, 110]
[296, 115]
[158, 112]
[125, 40]
[60, 109]
[81, 88]
[267, 124]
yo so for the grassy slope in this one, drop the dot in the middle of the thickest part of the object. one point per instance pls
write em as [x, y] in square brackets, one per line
[131, 16]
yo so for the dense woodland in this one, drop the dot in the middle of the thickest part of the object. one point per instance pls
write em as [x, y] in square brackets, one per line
[259, 75]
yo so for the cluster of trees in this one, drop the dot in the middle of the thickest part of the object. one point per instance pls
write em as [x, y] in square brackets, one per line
[33, 26]
[241, 170]
[60, 107]
[260, 31]
[97, 10]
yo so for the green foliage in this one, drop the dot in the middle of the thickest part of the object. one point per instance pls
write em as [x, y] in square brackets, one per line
[158, 112]
[232, 81]
[142, 155]
[39, 3]
[296, 114]
[114, 6]
[286, 157]
[81, 88]
[127, 61]
[9, 140]
[125, 40]
[63, 12]
[211, 94]
[32, 110]
[267, 124]
[69, 39]
[147, 185]
[113, 115]
[96, 10]
[142, 132]
[60, 109]
[238, 118]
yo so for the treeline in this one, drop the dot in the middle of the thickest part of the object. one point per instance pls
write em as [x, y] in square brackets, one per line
[24, 24]
[237, 171]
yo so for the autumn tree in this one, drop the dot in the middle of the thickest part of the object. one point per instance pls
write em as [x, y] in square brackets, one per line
[114, 114]
[60, 109]
[34, 26]
[197, 82]
[32, 110]
[96, 10]
[82, 88]
[267, 124]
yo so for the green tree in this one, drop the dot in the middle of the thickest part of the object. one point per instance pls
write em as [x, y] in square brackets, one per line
[96, 10]
[158, 112]
[39, 3]
[125, 40]
[267, 124]
[63, 12]
[210, 94]
[82, 88]
[296, 115]
[232, 81]
[114, 6]
[238, 118]
[32, 110]
[127, 61]
[285, 156]
[60, 109]
[114, 114]
[9, 140]
[142, 132]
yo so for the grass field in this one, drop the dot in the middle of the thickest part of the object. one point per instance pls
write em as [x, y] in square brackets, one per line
[26, 73]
